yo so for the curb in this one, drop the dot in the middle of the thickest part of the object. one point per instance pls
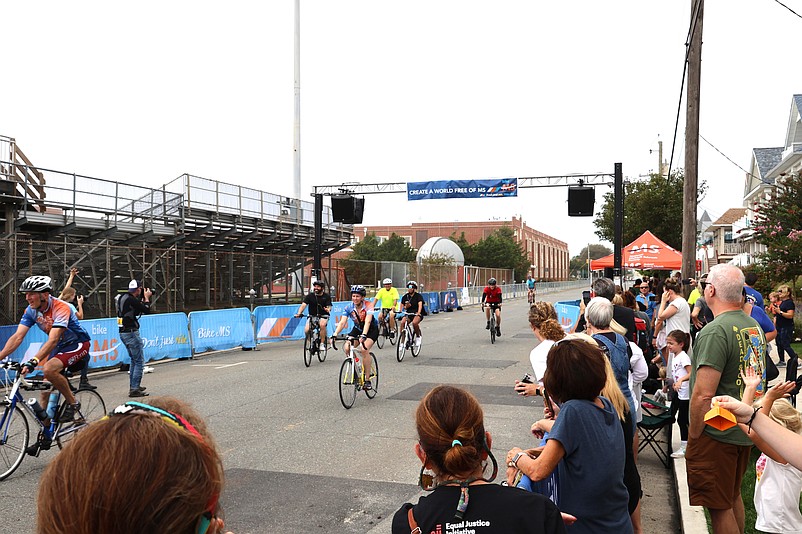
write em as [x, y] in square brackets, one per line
[692, 518]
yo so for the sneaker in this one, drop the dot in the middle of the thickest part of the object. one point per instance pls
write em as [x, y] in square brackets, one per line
[68, 415]
[392, 334]
[147, 369]
[142, 388]
[488, 326]
[498, 331]
[418, 341]
[137, 393]
[679, 453]
[781, 363]
[368, 386]
[86, 385]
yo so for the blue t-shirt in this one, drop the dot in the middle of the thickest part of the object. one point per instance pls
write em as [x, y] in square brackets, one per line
[58, 314]
[531, 283]
[651, 305]
[591, 473]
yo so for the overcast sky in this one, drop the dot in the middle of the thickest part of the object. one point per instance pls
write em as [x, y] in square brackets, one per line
[396, 92]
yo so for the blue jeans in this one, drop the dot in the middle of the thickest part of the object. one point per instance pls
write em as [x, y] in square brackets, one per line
[133, 342]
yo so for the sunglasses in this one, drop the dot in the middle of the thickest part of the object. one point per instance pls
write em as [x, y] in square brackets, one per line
[704, 285]
[131, 407]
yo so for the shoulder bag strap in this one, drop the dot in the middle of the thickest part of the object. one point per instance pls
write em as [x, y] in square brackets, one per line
[413, 525]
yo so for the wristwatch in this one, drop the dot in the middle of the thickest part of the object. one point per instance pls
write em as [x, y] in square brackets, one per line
[517, 456]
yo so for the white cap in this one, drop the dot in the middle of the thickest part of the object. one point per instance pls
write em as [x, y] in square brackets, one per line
[133, 284]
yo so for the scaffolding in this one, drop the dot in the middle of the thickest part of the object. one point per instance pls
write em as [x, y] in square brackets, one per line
[198, 243]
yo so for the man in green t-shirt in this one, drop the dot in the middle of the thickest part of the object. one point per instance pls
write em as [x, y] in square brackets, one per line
[387, 302]
[716, 459]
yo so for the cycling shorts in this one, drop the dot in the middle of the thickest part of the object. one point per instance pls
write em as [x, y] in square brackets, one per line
[75, 357]
[493, 305]
[385, 311]
[402, 315]
[373, 332]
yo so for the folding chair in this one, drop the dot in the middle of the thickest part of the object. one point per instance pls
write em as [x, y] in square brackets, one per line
[655, 417]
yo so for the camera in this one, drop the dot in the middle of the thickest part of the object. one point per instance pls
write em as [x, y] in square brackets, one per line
[527, 379]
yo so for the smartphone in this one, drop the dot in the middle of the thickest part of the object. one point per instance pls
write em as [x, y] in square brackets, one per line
[653, 298]
[547, 400]
[586, 297]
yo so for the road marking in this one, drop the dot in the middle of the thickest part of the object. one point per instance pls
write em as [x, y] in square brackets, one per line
[217, 366]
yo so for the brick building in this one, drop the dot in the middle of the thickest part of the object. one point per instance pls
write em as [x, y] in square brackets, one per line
[548, 255]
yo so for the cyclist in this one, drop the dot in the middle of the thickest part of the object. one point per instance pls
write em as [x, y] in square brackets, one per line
[492, 296]
[319, 303]
[67, 344]
[366, 327]
[530, 284]
[387, 302]
[411, 303]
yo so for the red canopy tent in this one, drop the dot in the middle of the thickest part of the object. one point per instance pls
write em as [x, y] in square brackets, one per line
[646, 252]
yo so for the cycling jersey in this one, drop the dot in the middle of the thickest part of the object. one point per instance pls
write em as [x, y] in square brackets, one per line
[413, 300]
[386, 298]
[317, 304]
[58, 314]
[491, 295]
[530, 283]
[360, 316]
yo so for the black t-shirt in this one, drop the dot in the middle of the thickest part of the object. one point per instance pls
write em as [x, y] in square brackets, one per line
[413, 300]
[785, 322]
[492, 509]
[317, 304]
[626, 318]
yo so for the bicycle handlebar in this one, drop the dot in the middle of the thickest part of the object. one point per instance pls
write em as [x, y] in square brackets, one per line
[299, 315]
[344, 338]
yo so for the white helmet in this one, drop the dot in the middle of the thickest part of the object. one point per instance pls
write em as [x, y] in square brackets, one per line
[36, 284]
[387, 281]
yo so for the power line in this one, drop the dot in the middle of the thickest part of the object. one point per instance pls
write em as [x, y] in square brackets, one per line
[731, 161]
[789, 9]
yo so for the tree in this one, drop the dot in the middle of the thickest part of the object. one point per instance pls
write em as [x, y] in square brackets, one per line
[396, 249]
[778, 226]
[367, 249]
[467, 248]
[654, 204]
[579, 264]
[501, 250]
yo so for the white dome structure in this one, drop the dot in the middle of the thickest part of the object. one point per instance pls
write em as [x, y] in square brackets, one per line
[441, 246]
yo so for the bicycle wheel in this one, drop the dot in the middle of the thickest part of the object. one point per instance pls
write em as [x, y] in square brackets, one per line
[322, 350]
[348, 383]
[374, 377]
[382, 334]
[401, 348]
[14, 436]
[415, 346]
[492, 327]
[308, 349]
[92, 409]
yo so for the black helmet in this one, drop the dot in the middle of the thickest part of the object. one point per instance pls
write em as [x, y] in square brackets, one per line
[491, 282]
[36, 284]
[358, 289]
[412, 283]
[320, 283]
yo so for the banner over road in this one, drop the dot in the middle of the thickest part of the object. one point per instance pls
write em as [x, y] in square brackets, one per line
[501, 187]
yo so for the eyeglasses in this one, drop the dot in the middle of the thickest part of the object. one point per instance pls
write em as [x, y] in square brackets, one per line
[644, 287]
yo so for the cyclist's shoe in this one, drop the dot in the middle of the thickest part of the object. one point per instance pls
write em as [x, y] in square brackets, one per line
[137, 393]
[498, 331]
[84, 384]
[392, 334]
[418, 341]
[488, 326]
[68, 415]
[40, 445]
[368, 386]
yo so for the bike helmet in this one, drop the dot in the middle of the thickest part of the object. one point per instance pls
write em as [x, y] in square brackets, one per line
[37, 284]
[412, 283]
[387, 281]
[319, 283]
[491, 282]
[358, 289]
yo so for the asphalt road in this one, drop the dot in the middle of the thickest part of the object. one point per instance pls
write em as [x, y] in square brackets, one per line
[297, 461]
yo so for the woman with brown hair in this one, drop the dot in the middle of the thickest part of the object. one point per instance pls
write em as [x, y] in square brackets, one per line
[784, 321]
[144, 468]
[543, 321]
[453, 444]
[585, 442]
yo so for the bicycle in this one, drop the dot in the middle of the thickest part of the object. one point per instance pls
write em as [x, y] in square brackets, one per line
[352, 373]
[407, 340]
[492, 322]
[14, 426]
[312, 344]
[384, 330]
[531, 296]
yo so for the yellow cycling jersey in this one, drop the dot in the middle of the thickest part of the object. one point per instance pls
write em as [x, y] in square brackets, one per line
[385, 298]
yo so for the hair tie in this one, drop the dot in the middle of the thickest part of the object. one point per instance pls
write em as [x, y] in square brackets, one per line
[456, 442]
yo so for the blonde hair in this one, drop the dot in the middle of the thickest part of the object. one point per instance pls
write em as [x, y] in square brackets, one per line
[618, 300]
[783, 289]
[784, 413]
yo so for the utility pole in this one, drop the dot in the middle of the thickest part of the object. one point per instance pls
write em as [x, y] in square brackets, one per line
[690, 186]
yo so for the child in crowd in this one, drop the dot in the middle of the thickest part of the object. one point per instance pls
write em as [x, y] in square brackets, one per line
[779, 484]
[677, 343]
